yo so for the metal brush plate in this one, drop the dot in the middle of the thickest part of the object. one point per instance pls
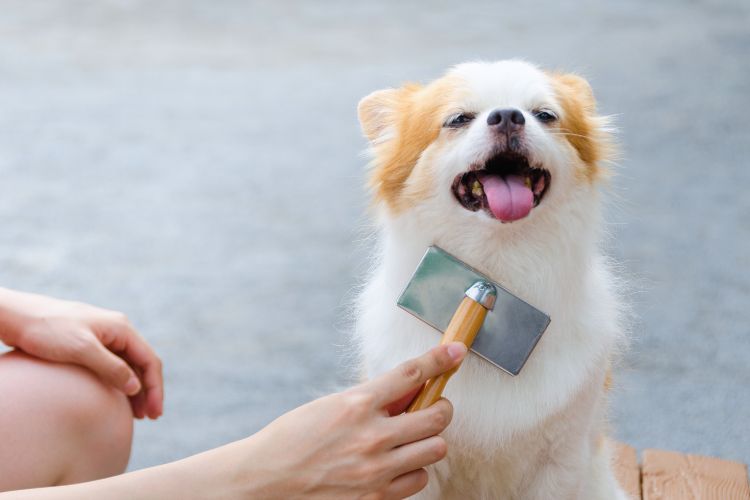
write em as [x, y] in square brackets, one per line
[510, 331]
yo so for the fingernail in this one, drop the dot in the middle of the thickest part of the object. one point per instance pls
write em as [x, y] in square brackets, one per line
[456, 350]
[132, 386]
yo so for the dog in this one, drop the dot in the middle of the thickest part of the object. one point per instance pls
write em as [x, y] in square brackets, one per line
[500, 164]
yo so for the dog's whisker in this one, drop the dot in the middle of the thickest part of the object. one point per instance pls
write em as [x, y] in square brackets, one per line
[569, 134]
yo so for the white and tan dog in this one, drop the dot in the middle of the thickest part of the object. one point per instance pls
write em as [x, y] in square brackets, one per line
[499, 164]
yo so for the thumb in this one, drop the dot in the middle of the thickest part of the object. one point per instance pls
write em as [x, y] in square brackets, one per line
[111, 369]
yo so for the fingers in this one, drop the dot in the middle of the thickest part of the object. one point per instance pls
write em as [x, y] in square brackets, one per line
[407, 484]
[126, 341]
[151, 399]
[401, 404]
[417, 455]
[411, 427]
[138, 405]
[109, 367]
[138, 401]
[396, 383]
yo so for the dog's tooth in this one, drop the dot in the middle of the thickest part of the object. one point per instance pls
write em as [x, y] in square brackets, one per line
[476, 189]
[527, 181]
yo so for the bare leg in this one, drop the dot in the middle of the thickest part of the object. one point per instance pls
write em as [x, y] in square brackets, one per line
[59, 424]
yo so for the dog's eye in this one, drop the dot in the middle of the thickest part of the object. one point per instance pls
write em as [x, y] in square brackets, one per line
[458, 120]
[545, 115]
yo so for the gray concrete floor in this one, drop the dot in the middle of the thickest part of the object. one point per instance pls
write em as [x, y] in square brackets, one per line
[188, 162]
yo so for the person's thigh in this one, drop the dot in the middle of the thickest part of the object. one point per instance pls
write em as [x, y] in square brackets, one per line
[59, 424]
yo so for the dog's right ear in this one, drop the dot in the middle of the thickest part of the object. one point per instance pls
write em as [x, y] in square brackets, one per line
[377, 113]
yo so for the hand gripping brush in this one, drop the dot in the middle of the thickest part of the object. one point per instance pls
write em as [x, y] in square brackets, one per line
[469, 307]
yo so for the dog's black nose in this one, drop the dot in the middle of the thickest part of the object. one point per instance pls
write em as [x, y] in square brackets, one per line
[507, 120]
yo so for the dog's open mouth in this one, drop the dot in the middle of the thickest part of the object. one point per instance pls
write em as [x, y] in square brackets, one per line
[506, 186]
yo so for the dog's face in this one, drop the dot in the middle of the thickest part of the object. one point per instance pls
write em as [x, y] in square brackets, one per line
[486, 143]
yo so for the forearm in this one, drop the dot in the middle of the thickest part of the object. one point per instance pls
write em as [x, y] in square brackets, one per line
[209, 475]
[172, 480]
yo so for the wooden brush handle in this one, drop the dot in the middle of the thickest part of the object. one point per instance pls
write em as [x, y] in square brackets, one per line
[464, 326]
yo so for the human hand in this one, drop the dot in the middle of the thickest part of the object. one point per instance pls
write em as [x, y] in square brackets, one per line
[353, 444]
[101, 340]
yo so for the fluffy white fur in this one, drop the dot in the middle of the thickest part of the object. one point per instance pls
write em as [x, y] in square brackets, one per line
[537, 435]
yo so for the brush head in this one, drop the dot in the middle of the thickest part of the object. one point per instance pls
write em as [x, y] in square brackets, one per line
[511, 329]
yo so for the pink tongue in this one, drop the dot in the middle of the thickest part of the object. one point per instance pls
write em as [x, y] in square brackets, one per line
[509, 198]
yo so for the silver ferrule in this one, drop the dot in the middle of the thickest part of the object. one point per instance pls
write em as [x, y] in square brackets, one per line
[484, 293]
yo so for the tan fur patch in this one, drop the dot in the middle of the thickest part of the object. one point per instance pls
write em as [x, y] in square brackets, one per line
[401, 124]
[583, 128]
[608, 380]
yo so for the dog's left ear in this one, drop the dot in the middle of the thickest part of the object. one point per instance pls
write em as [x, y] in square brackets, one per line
[377, 113]
[587, 132]
[577, 88]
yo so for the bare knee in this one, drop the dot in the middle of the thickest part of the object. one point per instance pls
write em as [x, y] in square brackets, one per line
[102, 426]
[75, 428]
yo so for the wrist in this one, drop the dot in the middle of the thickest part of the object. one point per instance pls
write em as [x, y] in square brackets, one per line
[215, 474]
[235, 470]
[243, 473]
[248, 470]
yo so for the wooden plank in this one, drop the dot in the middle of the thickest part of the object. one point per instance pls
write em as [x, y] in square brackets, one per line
[667, 475]
[627, 471]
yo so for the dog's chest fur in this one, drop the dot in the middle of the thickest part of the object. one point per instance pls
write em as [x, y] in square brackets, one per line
[505, 429]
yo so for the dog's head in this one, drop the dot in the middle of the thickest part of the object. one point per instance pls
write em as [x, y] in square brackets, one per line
[486, 143]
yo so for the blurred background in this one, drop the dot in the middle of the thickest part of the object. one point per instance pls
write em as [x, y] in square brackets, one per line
[188, 162]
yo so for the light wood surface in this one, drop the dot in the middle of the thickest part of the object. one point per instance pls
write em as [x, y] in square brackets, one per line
[627, 470]
[463, 327]
[668, 475]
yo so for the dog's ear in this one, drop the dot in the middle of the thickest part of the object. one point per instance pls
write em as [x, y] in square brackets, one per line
[377, 113]
[577, 88]
[589, 133]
